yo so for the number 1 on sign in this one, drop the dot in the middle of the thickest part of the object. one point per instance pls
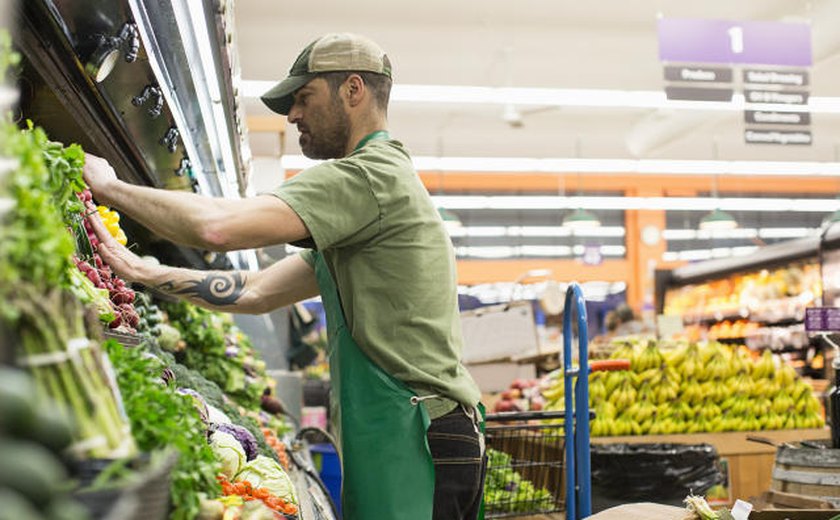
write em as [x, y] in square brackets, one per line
[736, 39]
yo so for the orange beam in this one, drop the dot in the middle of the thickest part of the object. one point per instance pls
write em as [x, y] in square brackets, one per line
[571, 182]
[472, 272]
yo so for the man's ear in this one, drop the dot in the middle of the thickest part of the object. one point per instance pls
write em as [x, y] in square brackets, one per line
[355, 89]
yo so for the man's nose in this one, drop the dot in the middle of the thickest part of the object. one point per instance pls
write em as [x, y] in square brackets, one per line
[294, 114]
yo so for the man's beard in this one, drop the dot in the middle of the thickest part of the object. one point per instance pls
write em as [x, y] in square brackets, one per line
[331, 142]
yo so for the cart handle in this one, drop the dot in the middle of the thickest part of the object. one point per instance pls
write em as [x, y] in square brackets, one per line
[609, 365]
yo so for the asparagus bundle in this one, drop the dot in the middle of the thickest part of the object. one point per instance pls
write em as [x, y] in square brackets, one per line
[70, 368]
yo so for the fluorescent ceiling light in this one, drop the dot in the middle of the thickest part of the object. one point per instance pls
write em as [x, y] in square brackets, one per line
[546, 97]
[621, 166]
[740, 233]
[555, 202]
[692, 255]
[619, 231]
[537, 202]
[542, 251]
[787, 232]
[536, 231]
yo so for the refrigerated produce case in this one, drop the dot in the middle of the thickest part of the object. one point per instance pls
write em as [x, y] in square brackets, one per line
[758, 300]
[167, 116]
[147, 85]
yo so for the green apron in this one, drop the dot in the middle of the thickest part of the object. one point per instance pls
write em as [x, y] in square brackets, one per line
[387, 469]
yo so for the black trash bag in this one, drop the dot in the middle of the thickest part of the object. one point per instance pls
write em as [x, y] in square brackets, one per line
[661, 473]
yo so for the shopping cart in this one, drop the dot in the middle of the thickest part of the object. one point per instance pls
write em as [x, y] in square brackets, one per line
[528, 451]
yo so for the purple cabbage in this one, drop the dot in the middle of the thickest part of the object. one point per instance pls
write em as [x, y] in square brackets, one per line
[245, 438]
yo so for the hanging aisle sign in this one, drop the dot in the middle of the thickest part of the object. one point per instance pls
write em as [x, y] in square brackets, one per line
[797, 78]
[773, 58]
[764, 117]
[698, 74]
[784, 137]
[735, 42]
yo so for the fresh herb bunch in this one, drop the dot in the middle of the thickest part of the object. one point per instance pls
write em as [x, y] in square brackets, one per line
[66, 175]
[36, 248]
[160, 418]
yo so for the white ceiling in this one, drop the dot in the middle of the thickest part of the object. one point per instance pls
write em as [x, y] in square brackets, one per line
[554, 44]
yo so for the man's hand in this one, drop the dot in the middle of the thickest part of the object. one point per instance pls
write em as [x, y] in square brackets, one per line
[100, 177]
[123, 262]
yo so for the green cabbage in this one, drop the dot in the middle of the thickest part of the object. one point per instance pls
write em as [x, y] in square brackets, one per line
[229, 452]
[267, 473]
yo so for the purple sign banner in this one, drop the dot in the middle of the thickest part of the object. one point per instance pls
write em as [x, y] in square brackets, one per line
[731, 41]
[822, 319]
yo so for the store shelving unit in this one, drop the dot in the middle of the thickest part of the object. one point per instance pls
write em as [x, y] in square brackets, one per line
[150, 117]
[777, 319]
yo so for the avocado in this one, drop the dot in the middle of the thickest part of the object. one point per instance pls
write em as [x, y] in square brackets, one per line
[31, 470]
[53, 427]
[67, 509]
[17, 395]
[16, 507]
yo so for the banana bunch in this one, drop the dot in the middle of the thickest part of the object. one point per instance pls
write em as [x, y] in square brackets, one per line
[624, 395]
[764, 368]
[689, 388]
[649, 358]
[715, 366]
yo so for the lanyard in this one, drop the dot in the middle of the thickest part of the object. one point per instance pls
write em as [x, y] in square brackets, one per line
[379, 134]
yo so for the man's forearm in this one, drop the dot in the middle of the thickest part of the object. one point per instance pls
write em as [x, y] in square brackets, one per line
[227, 291]
[177, 216]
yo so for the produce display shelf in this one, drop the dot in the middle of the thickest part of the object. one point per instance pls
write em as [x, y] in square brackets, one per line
[125, 339]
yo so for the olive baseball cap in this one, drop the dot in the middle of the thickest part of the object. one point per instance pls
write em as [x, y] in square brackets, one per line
[329, 53]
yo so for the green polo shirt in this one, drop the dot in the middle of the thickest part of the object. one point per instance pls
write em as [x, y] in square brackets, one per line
[393, 262]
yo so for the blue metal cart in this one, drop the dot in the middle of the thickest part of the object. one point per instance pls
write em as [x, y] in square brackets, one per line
[526, 450]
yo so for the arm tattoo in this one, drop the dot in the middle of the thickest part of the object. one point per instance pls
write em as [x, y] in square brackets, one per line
[216, 288]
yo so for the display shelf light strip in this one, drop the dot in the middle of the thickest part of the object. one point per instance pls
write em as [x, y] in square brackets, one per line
[607, 166]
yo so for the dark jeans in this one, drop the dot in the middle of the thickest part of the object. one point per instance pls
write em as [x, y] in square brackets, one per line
[460, 464]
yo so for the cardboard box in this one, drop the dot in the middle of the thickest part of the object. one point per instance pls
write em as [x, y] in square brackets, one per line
[496, 377]
[640, 511]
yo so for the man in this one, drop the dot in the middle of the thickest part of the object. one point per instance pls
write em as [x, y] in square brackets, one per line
[405, 408]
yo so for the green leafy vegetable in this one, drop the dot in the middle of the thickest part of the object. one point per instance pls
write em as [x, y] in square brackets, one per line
[229, 452]
[267, 473]
[506, 491]
[36, 248]
[220, 351]
[161, 417]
